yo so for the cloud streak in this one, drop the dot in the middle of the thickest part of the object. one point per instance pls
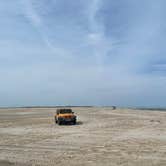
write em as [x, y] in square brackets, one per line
[37, 22]
[97, 52]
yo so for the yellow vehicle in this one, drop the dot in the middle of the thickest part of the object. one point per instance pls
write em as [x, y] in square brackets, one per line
[65, 116]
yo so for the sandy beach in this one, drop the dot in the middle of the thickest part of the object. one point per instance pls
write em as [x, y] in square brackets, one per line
[102, 136]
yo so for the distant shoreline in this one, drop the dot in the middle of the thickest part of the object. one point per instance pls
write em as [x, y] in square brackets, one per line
[45, 107]
[71, 106]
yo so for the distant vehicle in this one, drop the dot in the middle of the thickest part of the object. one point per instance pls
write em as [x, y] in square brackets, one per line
[65, 115]
[114, 107]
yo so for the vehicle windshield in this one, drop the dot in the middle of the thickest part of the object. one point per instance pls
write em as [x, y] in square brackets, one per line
[64, 111]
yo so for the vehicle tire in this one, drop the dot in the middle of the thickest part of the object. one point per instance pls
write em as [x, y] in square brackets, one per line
[59, 122]
[74, 122]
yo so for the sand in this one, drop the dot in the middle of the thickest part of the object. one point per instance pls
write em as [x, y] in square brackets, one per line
[102, 136]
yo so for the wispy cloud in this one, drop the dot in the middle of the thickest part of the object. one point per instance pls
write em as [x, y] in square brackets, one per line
[37, 22]
[83, 52]
[96, 38]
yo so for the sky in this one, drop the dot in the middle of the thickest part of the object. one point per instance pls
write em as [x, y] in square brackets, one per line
[83, 52]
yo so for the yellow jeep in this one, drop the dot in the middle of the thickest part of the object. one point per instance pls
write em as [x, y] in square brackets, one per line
[65, 115]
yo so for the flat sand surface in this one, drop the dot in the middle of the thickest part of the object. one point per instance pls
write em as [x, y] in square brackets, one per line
[102, 137]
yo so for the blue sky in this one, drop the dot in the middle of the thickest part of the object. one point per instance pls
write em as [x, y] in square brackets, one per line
[83, 52]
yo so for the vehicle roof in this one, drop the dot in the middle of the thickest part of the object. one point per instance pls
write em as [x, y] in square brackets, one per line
[63, 109]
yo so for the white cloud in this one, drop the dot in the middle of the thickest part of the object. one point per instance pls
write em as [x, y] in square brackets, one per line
[37, 22]
[74, 57]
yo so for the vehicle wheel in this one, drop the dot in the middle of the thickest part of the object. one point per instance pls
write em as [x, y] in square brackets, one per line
[59, 122]
[74, 122]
